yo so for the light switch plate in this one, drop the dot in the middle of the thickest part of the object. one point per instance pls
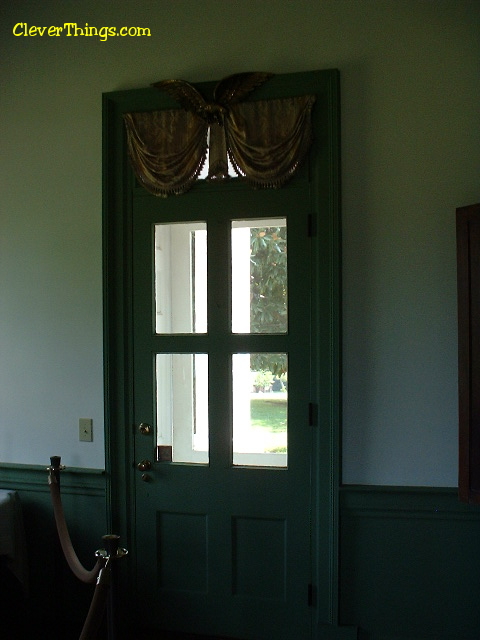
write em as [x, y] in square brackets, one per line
[85, 429]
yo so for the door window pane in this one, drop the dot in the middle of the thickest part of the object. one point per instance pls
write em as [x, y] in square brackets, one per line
[260, 403]
[182, 406]
[181, 277]
[259, 276]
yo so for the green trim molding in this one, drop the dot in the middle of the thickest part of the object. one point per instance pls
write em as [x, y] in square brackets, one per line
[27, 477]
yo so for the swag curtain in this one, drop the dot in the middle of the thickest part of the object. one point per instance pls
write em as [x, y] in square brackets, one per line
[264, 140]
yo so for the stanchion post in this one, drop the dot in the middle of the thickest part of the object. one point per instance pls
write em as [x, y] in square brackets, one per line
[111, 544]
[112, 552]
[55, 467]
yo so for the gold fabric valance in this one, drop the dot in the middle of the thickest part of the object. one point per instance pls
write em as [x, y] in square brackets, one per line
[167, 149]
[265, 142]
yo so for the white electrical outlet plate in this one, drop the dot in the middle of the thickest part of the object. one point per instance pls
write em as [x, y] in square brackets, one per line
[85, 429]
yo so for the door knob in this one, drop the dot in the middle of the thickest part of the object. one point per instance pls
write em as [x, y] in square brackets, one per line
[144, 428]
[144, 465]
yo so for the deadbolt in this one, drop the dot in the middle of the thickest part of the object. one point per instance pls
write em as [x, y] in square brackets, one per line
[144, 465]
[144, 428]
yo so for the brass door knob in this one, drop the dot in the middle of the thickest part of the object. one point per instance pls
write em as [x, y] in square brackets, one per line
[144, 465]
[144, 428]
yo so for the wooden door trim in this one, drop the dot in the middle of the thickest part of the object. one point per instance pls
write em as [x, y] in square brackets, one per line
[468, 258]
[325, 180]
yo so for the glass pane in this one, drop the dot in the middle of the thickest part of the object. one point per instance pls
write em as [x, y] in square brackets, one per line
[182, 406]
[181, 277]
[259, 276]
[260, 399]
[203, 175]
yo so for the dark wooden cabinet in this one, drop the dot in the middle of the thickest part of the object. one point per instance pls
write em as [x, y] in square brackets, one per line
[468, 277]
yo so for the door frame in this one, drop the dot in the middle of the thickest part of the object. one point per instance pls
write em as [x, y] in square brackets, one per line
[117, 290]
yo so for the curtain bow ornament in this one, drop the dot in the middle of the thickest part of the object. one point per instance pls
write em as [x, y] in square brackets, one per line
[265, 140]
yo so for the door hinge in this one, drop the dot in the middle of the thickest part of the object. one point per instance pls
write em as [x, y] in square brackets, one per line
[311, 591]
[312, 414]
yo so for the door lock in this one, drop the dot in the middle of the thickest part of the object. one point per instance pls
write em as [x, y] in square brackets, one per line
[144, 465]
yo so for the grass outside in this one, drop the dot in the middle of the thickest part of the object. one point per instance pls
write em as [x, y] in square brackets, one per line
[269, 414]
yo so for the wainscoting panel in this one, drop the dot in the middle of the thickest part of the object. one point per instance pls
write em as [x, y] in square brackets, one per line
[57, 603]
[409, 567]
[182, 552]
[409, 564]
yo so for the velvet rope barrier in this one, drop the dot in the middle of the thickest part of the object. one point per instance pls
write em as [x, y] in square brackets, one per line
[101, 572]
[97, 606]
[71, 557]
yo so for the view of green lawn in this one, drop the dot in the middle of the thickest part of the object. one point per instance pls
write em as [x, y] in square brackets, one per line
[269, 413]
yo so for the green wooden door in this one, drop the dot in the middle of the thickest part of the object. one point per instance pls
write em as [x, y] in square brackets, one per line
[223, 544]
[227, 538]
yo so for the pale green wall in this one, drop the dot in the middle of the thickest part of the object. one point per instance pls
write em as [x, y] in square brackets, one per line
[410, 79]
